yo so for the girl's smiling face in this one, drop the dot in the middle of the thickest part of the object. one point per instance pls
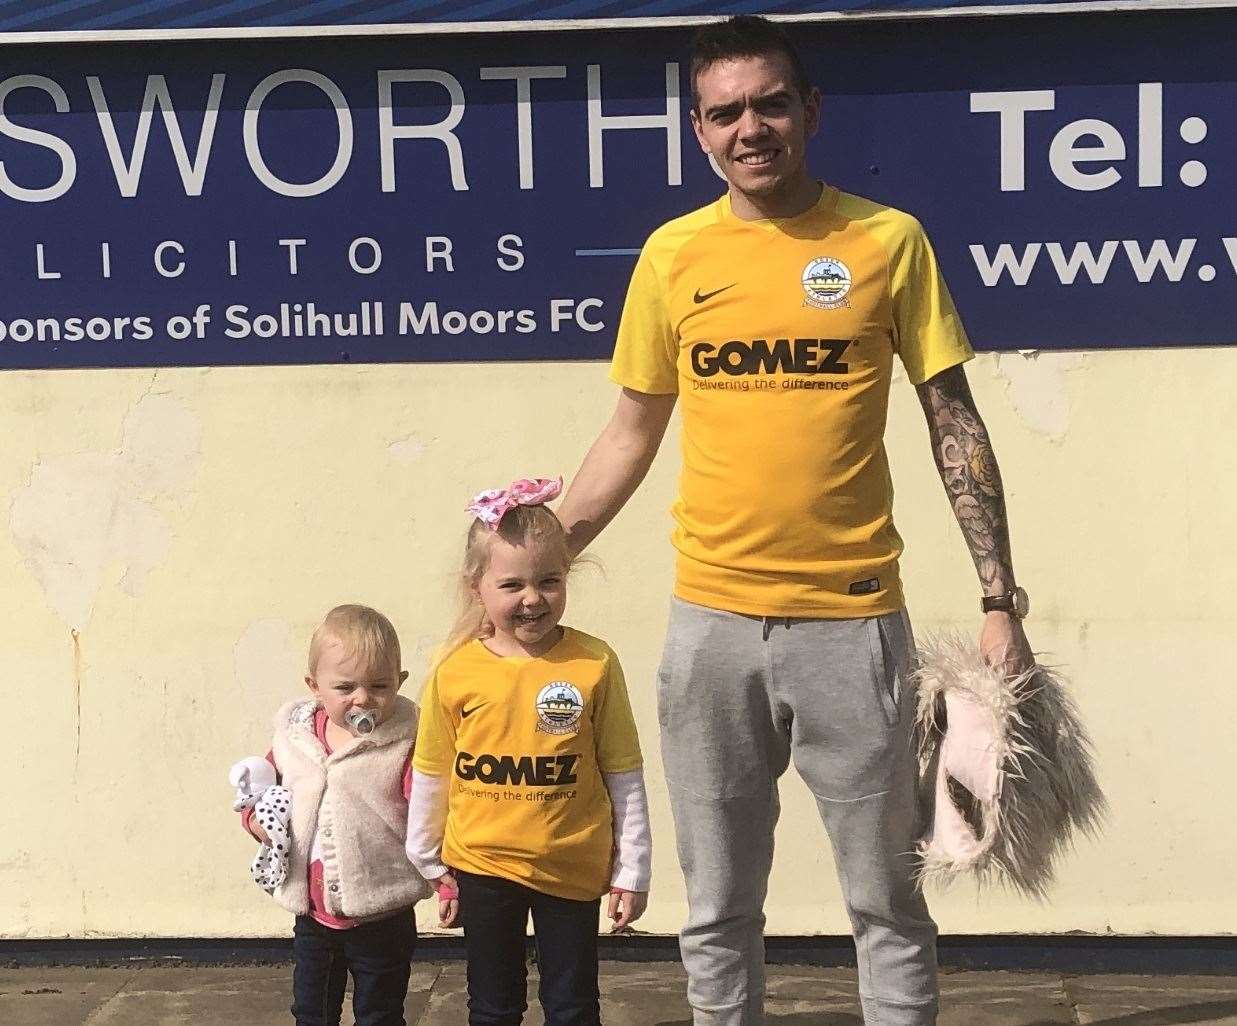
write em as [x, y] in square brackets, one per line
[524, 593]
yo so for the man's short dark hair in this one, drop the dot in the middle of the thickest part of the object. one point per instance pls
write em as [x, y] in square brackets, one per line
[745, 35]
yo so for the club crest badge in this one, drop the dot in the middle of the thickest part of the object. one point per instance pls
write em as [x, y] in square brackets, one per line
[826, 282]
[559, 708]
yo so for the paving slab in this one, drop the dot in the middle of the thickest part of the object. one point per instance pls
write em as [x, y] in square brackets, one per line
[1004, 999]
[168, 996]
[642, 993]
[633, 994]
[1153, 1000]
[55, 996]
[205, 996]
[448, 1001]
[810, 996]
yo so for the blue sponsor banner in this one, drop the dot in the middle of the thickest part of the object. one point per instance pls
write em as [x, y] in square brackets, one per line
[482, 197]
[122, 15]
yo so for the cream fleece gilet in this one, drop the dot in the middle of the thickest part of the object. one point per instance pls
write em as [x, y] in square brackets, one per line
[353, 800]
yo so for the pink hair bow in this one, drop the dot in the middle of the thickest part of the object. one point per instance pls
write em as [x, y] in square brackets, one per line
[490, 506]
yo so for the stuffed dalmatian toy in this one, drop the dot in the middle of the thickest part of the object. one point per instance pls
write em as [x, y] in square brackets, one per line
[254, 780]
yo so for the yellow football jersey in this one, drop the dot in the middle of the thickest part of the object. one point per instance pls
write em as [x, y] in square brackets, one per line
[525, 742]
[778, 336]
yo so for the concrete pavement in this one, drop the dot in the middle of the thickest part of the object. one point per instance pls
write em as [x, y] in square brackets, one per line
[633, 994]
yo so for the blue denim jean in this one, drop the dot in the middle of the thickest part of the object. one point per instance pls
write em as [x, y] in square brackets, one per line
[378, 955]
[495, 914]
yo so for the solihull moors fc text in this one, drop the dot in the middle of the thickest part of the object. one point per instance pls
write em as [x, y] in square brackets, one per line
[366, 319]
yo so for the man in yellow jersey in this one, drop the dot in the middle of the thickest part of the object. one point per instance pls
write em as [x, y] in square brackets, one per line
[774, 315]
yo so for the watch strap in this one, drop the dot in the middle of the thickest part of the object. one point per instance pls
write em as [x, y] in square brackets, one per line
[1014, 602]
[997, 603]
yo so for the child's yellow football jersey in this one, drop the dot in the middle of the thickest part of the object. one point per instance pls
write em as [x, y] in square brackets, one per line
[779, 337]
[525, 743]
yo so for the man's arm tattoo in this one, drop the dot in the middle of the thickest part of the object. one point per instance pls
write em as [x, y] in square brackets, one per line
[968, 469]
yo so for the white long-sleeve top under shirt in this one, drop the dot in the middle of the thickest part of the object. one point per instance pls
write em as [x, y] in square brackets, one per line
[633, 848]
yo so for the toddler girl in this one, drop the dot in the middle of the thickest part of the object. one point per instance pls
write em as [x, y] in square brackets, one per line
[343, 753]
[527, 777]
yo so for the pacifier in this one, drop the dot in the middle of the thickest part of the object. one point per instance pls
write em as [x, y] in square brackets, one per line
[363, 721]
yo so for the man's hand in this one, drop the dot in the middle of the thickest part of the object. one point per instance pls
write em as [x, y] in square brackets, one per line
[256, 831]
[626, 907]
[1003, 644]
[448, 905]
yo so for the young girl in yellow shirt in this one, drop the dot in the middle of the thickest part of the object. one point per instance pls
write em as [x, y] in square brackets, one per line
[528, 792]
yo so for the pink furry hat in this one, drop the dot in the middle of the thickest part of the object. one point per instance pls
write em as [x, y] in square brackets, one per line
[1008, 765]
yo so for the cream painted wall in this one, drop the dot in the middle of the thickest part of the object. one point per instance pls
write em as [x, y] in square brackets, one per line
[171, 537]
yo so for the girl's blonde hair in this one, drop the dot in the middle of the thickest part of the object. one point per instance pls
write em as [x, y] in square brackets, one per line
[363, 632]
[523, 525]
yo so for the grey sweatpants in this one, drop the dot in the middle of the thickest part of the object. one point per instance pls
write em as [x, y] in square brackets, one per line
[738, 698]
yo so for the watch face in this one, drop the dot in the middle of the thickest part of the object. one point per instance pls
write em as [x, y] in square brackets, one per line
[1022, 604]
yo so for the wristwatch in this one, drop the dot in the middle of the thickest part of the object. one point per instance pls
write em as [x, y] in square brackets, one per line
[1013, 602]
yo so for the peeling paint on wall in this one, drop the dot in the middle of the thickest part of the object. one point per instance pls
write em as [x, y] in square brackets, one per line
[269, 664]
[410, 449]
[87, 517]
[1036, 386]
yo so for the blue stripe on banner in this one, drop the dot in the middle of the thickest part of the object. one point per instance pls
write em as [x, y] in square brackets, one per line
[233, 14]
[51, 17]
[324, 12]
[136, 16]
[86, 15]
[454, 10]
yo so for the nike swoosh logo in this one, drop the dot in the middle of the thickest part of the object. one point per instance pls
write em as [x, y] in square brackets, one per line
[700, 297]
[465, 713]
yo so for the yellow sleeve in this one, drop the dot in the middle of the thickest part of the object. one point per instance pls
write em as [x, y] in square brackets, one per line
[434, 751]
[928, 334]
[614, 727]
[646, 350]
